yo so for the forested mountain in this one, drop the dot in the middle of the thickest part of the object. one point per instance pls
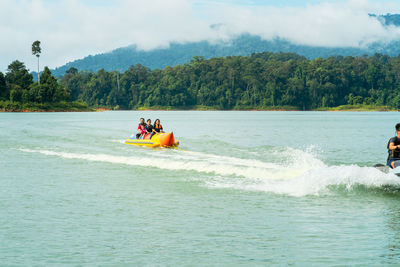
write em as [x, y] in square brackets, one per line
[263, 80]
[177, 54]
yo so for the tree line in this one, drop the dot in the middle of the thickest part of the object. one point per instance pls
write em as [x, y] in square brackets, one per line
[17, 85]
[262, 80]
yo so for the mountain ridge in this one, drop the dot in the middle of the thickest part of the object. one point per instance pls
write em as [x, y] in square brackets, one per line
[177, 53]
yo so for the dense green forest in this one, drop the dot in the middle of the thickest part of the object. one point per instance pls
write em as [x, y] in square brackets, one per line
[177, 54]
[260, 81]
[19, 92]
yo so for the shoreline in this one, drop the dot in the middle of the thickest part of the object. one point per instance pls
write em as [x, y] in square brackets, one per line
[149, 109]
[82, 107]
[42, 111]
[62, 106]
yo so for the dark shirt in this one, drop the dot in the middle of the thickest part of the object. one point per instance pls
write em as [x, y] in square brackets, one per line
[149, 128]
[394, 140]
[394, 154]
[158, 129]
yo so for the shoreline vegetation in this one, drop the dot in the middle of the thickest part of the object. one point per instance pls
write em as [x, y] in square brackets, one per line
[62, 106]
[359, 108]
[77, 106]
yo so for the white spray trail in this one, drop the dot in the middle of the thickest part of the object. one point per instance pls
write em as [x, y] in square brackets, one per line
[302, 173]
[218, 165]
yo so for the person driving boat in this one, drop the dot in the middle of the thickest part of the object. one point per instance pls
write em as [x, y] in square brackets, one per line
[393, 147]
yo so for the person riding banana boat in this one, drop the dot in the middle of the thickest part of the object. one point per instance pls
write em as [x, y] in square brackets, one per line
[152, 135]
[141, 130]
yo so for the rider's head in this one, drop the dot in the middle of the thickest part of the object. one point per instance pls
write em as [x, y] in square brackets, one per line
[397, 127]
[148, 121]
[141, 120]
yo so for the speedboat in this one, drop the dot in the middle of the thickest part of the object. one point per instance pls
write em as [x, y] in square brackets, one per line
[157, 140]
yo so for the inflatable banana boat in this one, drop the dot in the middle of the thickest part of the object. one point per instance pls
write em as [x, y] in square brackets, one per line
[157, 140]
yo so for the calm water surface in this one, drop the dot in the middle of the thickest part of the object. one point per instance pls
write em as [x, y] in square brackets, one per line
[246, 188]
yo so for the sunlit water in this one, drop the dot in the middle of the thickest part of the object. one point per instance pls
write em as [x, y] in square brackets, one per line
[246, 188]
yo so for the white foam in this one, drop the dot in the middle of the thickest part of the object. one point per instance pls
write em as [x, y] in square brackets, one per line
[212, 158]
[301, 172]
[225, 168]
[315, 181]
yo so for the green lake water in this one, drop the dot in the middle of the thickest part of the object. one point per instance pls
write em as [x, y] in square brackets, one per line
[246, 188]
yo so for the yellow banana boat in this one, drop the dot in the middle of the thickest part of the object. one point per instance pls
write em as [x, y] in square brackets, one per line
[157, 140]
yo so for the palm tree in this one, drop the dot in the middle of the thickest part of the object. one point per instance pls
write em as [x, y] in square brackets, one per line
[36, 50]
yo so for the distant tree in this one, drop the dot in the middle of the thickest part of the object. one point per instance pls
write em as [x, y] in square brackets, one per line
[17, 74]
[16, 93]
[36, 50]
[72, 70]
[50, 90]
[3, 88]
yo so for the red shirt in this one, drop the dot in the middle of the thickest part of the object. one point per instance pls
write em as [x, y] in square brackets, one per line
[142, 131]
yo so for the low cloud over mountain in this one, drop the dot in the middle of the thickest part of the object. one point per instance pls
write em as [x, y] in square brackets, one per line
[73, 29]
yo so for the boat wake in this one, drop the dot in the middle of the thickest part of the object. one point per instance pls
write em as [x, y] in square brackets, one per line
[287, 171]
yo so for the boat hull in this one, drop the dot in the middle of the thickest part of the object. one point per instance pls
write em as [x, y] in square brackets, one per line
[157, 140]
[387, 169]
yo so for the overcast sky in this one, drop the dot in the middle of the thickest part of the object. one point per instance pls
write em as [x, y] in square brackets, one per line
[73, 29]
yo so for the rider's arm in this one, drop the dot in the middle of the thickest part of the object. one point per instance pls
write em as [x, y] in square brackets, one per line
[392, 146]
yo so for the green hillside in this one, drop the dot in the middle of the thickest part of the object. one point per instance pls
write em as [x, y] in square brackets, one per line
[176, 54]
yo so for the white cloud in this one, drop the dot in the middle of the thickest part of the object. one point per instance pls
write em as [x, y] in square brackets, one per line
[325, 24]
[72, 29]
